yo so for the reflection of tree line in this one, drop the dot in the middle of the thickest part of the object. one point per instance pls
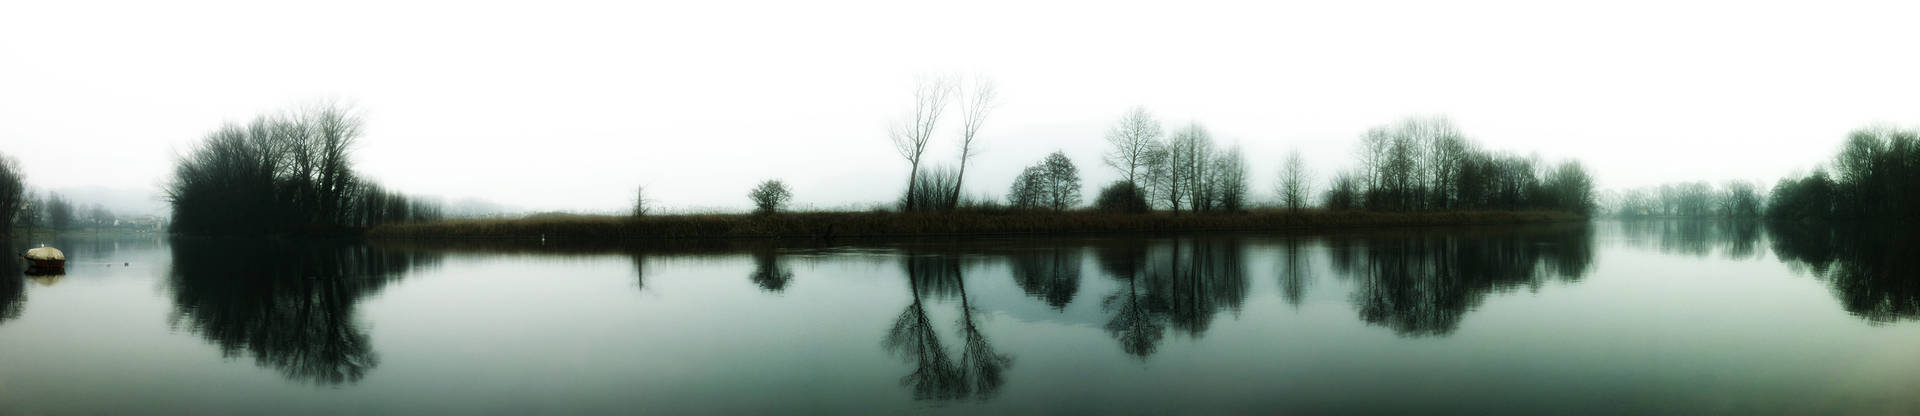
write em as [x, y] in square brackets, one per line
[288, 305]
[1424, 284]
[1871, 268]
[1736, 238]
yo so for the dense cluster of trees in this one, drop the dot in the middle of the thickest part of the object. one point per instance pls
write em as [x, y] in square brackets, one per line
[1426, 164]
[1875, 176]
[280, 173]
[1053, 184]
[13, 193]
[1184, 171]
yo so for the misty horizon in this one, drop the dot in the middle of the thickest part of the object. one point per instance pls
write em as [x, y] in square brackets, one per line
[586, 104]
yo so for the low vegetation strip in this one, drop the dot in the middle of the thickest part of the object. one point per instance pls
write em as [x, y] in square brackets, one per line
[872, 224]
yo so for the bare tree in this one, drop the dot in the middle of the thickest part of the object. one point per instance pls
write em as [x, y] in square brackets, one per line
[1293, 182]
[1191, 152]
[912, 133]
[1132, 139]
[978, 100]
[1228, 174]
[337, 127]
[641, 205]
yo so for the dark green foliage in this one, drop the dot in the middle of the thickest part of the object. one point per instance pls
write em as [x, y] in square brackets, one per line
[13, 193]
[1121, 196]
[280, 174]
[1805, 198]
[1877, 177]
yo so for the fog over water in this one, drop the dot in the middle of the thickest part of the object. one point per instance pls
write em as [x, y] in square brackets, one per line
[568, 105]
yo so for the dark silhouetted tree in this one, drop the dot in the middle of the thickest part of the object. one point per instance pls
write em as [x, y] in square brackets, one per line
[1292, 187]
[1122, 196]
[1229, 177]
[1062, 182]
[13, 195]
[1051, 184]
[282, 173]
[770, 196]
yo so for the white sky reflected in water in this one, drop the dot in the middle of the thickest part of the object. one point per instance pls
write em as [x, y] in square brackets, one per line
[565, 105]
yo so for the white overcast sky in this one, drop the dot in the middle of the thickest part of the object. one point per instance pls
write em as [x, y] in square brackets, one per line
[566, 106]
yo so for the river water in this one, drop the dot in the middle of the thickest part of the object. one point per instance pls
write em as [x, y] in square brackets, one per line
[1608, 317]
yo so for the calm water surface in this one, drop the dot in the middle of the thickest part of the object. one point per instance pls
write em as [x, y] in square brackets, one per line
[1612, 317]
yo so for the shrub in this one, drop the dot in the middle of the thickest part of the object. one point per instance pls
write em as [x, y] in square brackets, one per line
[769, 196]
[1121, 196]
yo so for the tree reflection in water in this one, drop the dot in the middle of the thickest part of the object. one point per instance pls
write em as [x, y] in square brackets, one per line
[1870, 268]
[768, 273]
[1295, 274]
[913, 337]
[1734, 238]
[288, 305]
[1138, 329]
[13, 288]
[1180, 283]
[1423, 284]
[1051, 274]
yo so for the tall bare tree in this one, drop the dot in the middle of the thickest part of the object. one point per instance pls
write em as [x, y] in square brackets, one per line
[1132, 138]
[1293, 181]
[1191, 152]
[337, 127]
[912, 132]
[976, 101]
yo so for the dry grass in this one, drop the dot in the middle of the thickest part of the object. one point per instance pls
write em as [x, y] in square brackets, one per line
[879, 224]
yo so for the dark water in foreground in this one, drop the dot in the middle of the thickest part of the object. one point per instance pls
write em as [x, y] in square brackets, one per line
[1671, 317]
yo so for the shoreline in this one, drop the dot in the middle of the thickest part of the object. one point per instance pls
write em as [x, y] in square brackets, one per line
[828, 225]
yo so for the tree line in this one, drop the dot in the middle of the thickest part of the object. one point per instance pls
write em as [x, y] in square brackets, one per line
[1420, 164]
[1875, 176]
[1734, 199]
[280, 173]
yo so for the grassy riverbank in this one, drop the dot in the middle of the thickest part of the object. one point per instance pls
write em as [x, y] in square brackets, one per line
[884, 224]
